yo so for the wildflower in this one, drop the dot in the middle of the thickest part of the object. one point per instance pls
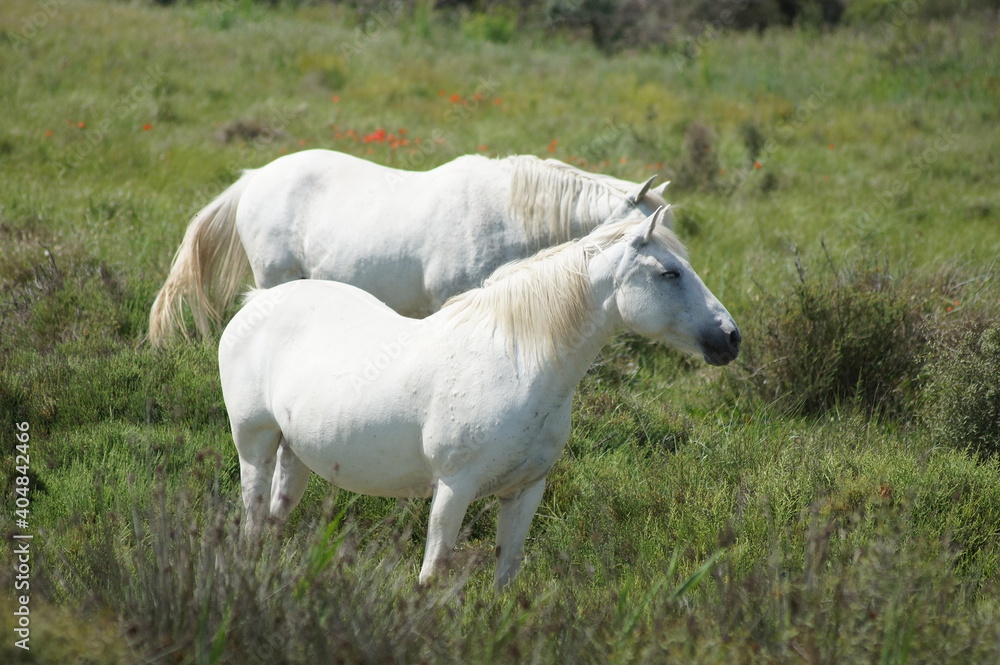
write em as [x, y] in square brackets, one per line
[147, 127]
[830, 146]
[757, 164]
[455, 98]
[497, 101]
[482, 147]
[49, 133]
[81, 124]
[335, 99]
[552, 145]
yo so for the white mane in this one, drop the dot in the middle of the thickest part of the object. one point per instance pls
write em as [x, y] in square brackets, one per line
[545, 194]
[541, 303]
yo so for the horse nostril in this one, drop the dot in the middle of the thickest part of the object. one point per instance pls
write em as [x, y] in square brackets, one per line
[734, 339]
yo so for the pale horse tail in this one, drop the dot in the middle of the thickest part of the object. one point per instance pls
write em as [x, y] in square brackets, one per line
[208, 269]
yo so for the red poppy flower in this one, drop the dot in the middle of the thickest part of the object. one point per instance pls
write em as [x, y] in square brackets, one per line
[378, 136]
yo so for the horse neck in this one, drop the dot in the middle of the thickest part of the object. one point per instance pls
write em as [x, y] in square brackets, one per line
[573, 350]
[572, 361]
[550, 314]
[595, 206]
[556, 204]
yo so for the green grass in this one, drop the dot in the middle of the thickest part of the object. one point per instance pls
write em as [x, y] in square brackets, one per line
[697, 515]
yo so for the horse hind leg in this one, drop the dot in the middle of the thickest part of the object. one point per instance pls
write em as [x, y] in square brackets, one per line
[257, 448]
[291, 476]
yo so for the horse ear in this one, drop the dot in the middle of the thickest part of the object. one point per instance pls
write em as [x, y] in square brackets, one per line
[636, 194]
[660, 190]
[645, 230]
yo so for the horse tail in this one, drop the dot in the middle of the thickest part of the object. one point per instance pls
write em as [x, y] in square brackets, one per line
[207, 269]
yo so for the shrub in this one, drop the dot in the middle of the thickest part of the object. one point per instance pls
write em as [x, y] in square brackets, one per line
[963, 393]
[700, 167]
[836, 337]
[498, 26]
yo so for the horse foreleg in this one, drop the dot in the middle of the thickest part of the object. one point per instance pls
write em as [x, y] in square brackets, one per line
[516, 513]
[289, 483]
[447, 511]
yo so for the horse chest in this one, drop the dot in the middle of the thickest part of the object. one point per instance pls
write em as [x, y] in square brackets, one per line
[505, 450]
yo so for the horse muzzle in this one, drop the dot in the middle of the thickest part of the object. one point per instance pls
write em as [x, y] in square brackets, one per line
[722, 347]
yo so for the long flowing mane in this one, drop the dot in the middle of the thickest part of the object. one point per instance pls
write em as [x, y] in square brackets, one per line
[545, 193]
[542, 303]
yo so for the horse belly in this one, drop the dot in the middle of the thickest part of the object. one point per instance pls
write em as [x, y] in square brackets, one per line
[380, 459]
[348, 407]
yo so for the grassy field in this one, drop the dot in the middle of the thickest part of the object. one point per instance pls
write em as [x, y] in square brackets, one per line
[834, 497]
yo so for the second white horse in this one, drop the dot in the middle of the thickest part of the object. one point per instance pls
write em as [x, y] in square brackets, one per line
[440, 232]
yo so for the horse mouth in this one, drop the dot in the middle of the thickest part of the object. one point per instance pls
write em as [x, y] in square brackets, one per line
[719, 359]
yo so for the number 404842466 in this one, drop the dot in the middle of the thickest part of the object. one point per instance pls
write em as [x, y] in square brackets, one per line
[21, 463]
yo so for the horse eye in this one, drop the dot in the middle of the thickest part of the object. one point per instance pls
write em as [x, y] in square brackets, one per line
[671, 274]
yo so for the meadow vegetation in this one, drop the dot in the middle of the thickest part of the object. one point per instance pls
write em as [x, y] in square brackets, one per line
[833, 497]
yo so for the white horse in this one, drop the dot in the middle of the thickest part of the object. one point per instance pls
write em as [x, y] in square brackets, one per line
[310, 215]
[471, 401]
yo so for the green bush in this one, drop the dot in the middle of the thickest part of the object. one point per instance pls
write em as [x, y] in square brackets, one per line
[839, 337]
[497, 26]
[963, 394]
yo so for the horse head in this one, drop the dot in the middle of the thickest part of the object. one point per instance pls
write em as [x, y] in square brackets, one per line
[660, 296]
